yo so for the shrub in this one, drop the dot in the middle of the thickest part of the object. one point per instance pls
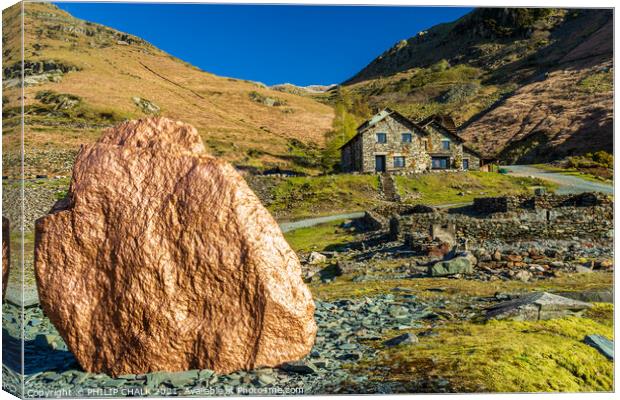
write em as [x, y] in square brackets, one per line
[440, 66]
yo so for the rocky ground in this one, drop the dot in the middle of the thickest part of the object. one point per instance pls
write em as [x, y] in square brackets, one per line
[376, 306]
[370, 299]
[347, 330]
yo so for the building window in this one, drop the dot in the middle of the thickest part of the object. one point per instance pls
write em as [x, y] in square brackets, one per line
[440, 162]
[445, 144]
[406, 137]
[381, 138]
[465, 164]
[399, 162]
[425, 144]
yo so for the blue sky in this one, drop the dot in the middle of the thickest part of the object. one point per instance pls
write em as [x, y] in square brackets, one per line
[272, 44]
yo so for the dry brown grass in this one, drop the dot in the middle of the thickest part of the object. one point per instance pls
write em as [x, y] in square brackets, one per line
[220, 108]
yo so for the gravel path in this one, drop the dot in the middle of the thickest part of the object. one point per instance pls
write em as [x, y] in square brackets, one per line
[568, 184]
[306, 223]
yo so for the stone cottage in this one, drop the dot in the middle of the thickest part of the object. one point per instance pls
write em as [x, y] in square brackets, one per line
[390, 142]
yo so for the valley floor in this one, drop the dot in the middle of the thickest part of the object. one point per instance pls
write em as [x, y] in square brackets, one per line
[367, 290]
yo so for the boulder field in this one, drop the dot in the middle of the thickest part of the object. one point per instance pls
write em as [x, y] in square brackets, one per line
[162, 258]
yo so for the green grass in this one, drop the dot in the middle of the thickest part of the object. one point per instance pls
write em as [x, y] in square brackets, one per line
[344, 287]
[598, 82]
[573, 172]
[508, 356]
[303, 197]
[328, 236]
[450, 187]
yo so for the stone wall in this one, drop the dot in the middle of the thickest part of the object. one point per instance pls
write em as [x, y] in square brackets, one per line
[359, 154]
[352, 153]
[547, 217]
[456, 153]
[474, 160]
[374, 221]
[416, 159]
[489, 205]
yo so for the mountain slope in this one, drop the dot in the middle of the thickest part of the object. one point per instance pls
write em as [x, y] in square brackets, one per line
[494, 70]
[82, 77]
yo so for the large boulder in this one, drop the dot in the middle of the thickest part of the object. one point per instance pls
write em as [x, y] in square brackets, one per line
[6, 254]
[463, 263]
[162, 258]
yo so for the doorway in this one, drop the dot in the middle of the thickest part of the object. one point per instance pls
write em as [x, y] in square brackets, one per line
[380, 163]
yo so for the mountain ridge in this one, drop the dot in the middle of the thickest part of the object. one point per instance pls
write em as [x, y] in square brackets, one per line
[469, 67]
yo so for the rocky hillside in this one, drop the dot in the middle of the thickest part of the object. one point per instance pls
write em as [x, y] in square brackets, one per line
[526, 85]
[81, 77]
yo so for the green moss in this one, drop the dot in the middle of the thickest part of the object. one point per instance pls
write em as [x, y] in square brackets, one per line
[456, 288]
[449, 187]
[328, 236]
[506, 356]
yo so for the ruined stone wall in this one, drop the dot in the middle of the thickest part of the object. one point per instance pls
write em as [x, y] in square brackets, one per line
[587, 215]
[559, 223]
[416, 159]
[489, 205]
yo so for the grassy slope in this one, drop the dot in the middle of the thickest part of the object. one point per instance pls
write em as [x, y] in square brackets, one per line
[230, 122]
[416, 75]
[421, 92]
[328, 236]
[447, 188]
[305, 197]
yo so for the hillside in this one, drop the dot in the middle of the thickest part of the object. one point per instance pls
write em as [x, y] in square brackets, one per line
[527, 85]
[82, 77]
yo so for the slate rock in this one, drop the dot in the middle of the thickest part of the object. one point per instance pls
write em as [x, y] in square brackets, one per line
[46, 341]
[591, 296]
[299, 367]
[461, 264]
[405, 338]
[602, 344]
[537, 306]
[316, 258]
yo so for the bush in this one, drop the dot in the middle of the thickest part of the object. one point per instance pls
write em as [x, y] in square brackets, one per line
[268, 101]
[440, 66]
[600, 159]
[604, 158]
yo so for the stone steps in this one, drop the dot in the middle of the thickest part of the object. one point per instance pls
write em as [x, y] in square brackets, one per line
[388, 188]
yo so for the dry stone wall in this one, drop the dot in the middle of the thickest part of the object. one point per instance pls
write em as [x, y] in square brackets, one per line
[552, 217]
